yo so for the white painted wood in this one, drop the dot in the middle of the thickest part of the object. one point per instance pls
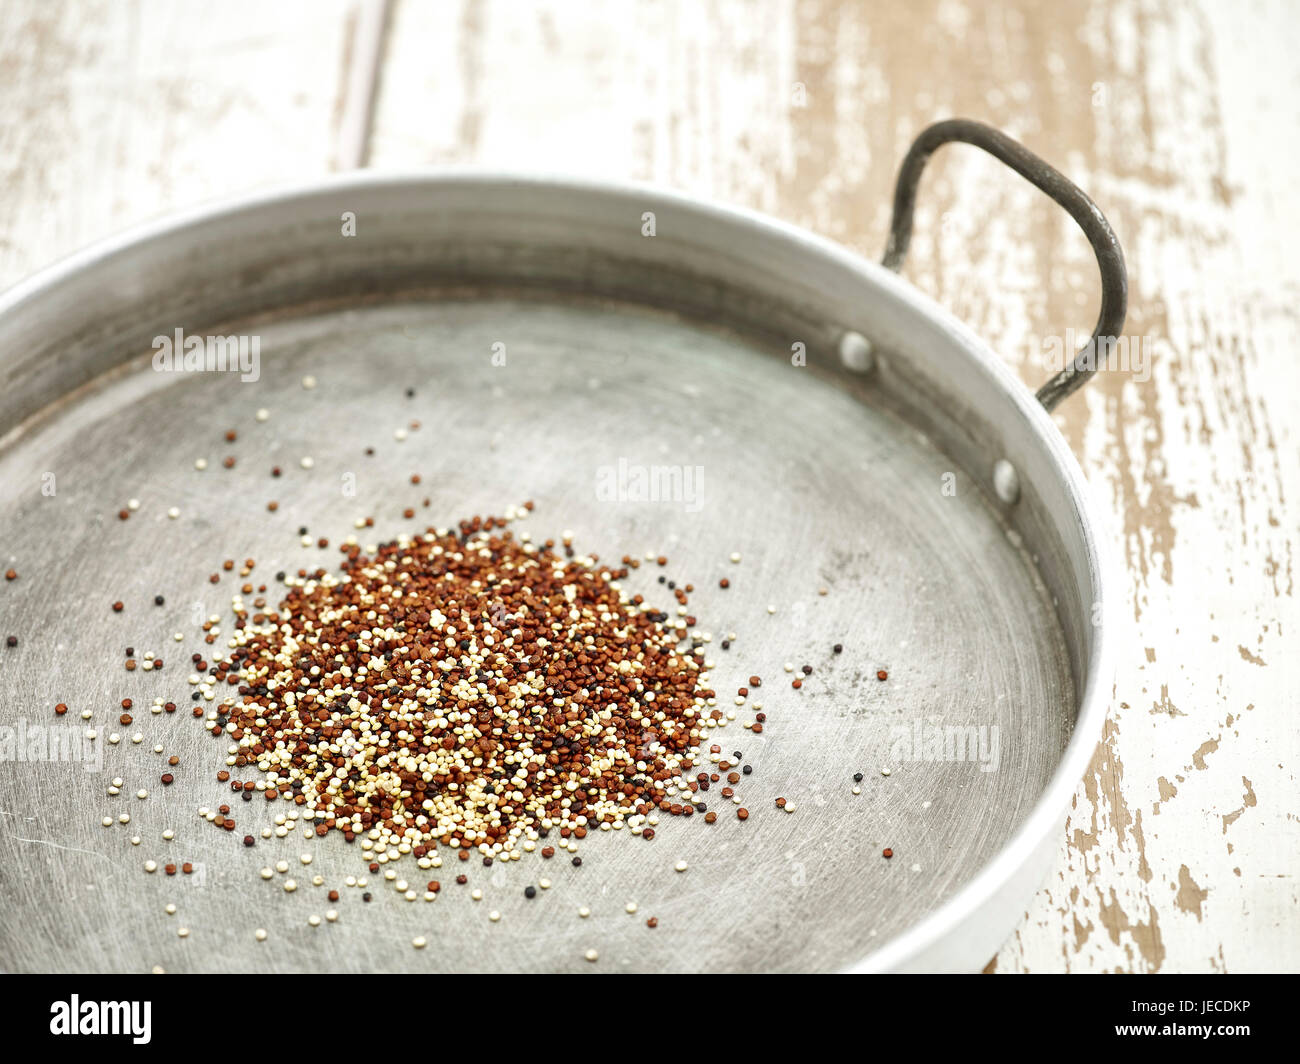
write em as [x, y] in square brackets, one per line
[115, 112]
[365, 62]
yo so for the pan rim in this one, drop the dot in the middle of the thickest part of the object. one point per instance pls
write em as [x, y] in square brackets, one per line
[919, 947]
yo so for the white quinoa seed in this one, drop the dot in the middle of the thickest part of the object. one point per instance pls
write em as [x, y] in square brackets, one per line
[260, 934]
[591, 955]
[419, 942]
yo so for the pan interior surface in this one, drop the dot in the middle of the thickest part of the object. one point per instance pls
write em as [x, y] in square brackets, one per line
[595, 401]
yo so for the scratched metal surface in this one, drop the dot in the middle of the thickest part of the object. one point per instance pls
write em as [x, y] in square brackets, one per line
[814, 486]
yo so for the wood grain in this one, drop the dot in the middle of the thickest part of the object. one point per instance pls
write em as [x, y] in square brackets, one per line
[1181, 850]
[116, 112]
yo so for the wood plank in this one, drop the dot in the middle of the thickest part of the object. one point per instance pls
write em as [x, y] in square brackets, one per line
[116, 112]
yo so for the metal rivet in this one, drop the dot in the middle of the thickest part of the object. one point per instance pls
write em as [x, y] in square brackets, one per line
[856, 352]
[1006, 481]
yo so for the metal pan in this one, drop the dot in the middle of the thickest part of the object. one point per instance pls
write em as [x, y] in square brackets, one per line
[852, 436]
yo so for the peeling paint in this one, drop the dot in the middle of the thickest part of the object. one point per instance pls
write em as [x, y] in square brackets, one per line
[1190, 897]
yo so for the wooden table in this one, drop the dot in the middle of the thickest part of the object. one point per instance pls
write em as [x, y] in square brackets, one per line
[1182, 846]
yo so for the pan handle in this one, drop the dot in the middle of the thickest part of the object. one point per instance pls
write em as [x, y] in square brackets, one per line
[1114, 278]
